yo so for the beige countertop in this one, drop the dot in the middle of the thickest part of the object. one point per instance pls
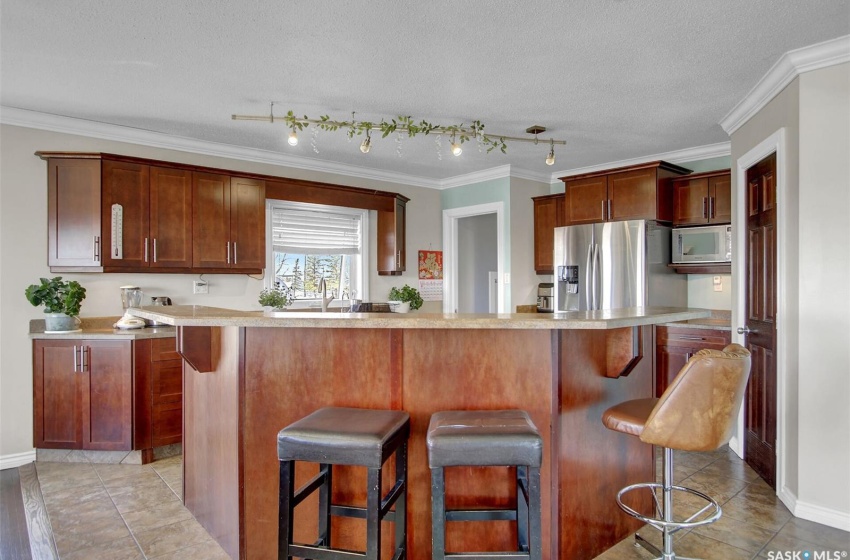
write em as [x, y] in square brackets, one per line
[195, 315]
[718, 320]
[93, 328]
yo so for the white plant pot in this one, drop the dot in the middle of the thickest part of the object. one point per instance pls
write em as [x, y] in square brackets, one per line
[399, 306]
[60, 322]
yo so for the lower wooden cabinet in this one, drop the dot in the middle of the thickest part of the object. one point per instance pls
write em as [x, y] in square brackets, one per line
[674, 346]
[107, 395]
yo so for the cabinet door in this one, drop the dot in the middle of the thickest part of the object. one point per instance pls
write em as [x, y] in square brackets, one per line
[166, 402]
[546, 219]
[210, 220]
[108, 397]
[586, 200]
[170, 218]
[690, 202]
[400, 234]
[632, 195]
[669, 361]
[73, 213]
[57, 395]
[392, 252]
[126, 184]
[720, 189]
[247, 223]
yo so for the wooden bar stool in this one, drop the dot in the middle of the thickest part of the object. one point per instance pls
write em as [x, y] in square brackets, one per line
[344, 436]
[487, 438]
[697, 412]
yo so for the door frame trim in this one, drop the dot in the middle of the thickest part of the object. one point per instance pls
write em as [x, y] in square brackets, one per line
[450, 239]
[775, 143]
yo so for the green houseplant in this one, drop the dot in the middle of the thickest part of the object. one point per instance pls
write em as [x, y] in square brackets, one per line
[406, 294]
[61, 301]
[275, 298]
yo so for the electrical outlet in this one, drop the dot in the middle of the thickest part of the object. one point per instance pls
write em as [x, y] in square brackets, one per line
[507, 278]
[718, 284]
[200, 287]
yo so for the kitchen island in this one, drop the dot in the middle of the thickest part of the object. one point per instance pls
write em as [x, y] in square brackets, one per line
[248, 375]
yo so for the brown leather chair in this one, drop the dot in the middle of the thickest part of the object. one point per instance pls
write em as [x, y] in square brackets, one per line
[697, 412]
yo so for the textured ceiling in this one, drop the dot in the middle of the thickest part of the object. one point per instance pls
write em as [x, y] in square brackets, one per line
[616, 79]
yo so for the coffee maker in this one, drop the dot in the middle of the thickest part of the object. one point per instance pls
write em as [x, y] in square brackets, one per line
[546, 297]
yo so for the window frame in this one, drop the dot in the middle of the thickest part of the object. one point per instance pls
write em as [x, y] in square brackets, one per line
[363, 292]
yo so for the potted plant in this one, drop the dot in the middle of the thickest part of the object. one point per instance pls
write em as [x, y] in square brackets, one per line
[275, 299]
[405, 299]
[61, 301]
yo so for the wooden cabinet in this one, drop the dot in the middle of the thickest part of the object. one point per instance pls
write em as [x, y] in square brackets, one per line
[639, 192]
[549, 213]
[82, 394]
[674, 346]
[73, 214]
[107, 395]
[703, 198]
[228, 221]
[170, 217]
[392, 252]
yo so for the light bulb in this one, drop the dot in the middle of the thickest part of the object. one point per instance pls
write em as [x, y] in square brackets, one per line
[456, 149]
[550, 159]
[366, 145]
[293, 139]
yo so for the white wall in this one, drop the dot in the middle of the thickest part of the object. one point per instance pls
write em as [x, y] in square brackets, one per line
[23, 256]
[477, 255]
[824, 277]
[701, 291]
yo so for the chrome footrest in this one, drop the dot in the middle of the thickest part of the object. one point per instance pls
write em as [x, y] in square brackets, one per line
[665, 519]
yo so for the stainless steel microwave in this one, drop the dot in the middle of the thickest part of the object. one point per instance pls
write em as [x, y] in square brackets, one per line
[704, 244]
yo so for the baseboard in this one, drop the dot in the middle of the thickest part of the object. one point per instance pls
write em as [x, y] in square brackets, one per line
[16, 459]
[822, 515]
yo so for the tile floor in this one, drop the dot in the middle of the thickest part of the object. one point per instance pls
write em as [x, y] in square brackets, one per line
[121, 512]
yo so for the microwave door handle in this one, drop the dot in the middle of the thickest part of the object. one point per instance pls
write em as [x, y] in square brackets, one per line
[588, 277]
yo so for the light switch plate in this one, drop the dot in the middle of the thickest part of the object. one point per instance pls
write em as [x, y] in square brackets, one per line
[718, 284]
[200, 287]
[507, 278]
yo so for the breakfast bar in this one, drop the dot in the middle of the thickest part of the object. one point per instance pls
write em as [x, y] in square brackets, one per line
[247, 375]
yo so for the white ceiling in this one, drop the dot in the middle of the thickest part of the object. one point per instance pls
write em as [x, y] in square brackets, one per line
[616, 79]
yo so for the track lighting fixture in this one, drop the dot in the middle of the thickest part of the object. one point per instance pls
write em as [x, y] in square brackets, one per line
[405, 126]
[367, 143]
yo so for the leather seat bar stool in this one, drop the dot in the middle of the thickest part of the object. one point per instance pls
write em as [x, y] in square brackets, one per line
[487, 438]
[344, 436]
[697, 412]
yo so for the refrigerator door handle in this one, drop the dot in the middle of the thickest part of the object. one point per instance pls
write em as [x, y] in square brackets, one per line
[596, 295]
[588, 277]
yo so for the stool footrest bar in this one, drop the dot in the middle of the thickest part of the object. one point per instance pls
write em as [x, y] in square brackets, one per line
[392, 496]
[487, 556]
[316, 553]
[481, 515]
[308, 488]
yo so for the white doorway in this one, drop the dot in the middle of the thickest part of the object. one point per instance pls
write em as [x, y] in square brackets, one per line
[452, 229]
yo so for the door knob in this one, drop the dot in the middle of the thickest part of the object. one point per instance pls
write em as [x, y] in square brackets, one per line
[744, 330]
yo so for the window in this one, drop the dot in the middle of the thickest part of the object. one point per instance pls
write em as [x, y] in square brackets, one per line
[308, 242]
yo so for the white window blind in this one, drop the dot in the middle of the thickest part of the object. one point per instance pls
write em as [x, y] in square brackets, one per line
[311, 232]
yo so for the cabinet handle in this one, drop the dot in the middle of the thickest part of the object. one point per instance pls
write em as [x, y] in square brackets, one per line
[228, 252]
[688, 356]
[154, 249]
[84, 354]
[97, 248]
[398, 259]
[711, 207]
[689, 337]
[235, 260]
[146, 249]
[705, 207]
[75, 358]
[609, 209]
[603, 210]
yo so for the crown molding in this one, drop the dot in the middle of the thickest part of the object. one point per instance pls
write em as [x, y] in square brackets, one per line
[789, 66]
[709, 151]
[82, 127]
[500, 172]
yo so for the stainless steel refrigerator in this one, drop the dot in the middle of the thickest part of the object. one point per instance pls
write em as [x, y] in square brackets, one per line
[615, 264]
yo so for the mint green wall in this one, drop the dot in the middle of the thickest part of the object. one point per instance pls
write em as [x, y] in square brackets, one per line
[712, 164]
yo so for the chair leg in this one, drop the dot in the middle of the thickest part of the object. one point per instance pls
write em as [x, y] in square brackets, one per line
[401, 503]
[522, 492]
[535, 526]
[325, 497]
[438, 514]
[373, 515]
[285, 509]
[667, 481]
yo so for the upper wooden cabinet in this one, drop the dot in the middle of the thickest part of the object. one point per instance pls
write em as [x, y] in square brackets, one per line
[703, 198]
[73, 214]
[549, 213]
[639, 192]
[392, 252]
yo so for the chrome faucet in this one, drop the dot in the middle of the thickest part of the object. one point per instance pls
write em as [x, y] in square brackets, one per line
[324, 289]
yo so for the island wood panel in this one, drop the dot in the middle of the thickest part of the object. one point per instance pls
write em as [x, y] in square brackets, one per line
[475, 370]
[289, 373]
[594, 462]
[211, 453]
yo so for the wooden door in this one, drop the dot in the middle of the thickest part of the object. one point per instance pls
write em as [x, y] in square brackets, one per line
[73, 213]
[247, 223]
[587, 200]
[720, 191]
[760, 404]
[108, 395]
[690, 202]
[126, 184]
[210, 220]
[170, 217]
[57, 395]
[632, 195]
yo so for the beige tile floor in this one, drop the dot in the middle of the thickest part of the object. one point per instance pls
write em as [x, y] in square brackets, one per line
[121, 512]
